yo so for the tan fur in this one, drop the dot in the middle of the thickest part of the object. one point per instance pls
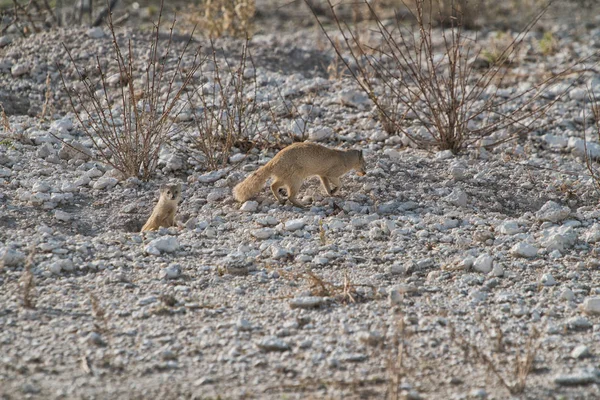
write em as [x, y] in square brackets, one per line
[292, 165]
[166, 208]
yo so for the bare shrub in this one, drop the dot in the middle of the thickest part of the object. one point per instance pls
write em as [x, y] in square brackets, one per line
[224, 109]
[223, 17]
[588, 154]
[129, 128]
[425, 84]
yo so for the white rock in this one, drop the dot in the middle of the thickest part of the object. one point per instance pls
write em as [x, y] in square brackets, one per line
[397, 269]
[62, 216]
[263, 233]
[444, 155]
[524, 249]
[457, 197]
[55, 268]
[320, 133]
[579, 147]
[578, 94]
[581, 351]
[106, 182]
[510, 228]
[41, 187]
[548, 280]
[278, 253]
[307, 302]
[591, 305]
[294, 224]
[20, 69]
[567, 294]
[95, 32]
[273, 344]
[394, 155]
[249, 206]
[5, 41]
[558, 238]
[11, 258]
[353, 98]
[592, 235]
[173, 271]
[553, 212]
[212, 176]
[483, 263]
[165, 244]
[498, 270]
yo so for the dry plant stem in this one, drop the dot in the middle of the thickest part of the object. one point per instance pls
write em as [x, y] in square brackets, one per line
[99, 314]
[133, 149]
[449, 98]
[594, 174]
[395, 368]
[28, 282]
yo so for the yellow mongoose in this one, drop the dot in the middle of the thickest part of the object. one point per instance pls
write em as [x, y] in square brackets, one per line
[296, 162]
[164, 211]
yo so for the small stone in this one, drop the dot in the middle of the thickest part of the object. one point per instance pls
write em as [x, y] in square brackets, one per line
[173, 271]
[249, 206]
[510, 228]
[444, 155]
[95, 339]
[20, 69]
[483, 263]
[568, 294]
[294, 224]
[95, 32]
[553, 212]
[581, 351]
[243, 325]
[263, 233]
[307, 302]
[106, 182]
[497, 270]
[576, 379]
[165, 244]
[62, 216]
[397, 269]
[273, 344]
[212, 176]
[591, 305]
[11, 258]
[395, 297]
[548, 280]
[578, 323]
[457, 198]
[5, 41]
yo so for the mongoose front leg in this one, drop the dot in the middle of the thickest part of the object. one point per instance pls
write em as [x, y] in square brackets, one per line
[337, 184]
[292, 192]
[275, 189]
[326, 186]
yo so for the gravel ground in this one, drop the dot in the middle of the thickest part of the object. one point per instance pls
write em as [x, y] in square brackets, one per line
[434, 276]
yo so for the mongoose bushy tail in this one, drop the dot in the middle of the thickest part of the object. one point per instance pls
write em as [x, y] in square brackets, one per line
[253, 184]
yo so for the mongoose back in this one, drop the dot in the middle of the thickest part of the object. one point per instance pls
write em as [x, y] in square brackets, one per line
[164, 211]
[297, 162]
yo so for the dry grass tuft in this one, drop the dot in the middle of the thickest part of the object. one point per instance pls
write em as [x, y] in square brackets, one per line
[99, 314]
[343, 293]
[223, 17]
[523, 360]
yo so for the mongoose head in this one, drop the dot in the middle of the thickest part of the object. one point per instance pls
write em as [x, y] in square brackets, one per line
[361, 166]
[171, 191]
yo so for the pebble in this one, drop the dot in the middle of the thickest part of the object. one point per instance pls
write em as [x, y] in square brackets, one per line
[457, 197]
[263, 233]
[106, 182]
[294, 224]
[548, 280]
[581, 351]
[483, 263]
[173, 271]
[307, 302]
[249, 206]
[95, 32]
[165, 244]
[523, 249]
[553, 212]
[62, 216]
[273, 344]
[591, 305]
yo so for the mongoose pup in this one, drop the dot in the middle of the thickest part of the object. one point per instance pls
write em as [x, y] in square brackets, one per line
[164, 211]
[297, 162]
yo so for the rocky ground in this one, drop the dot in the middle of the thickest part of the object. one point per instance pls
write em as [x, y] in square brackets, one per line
[434, 276]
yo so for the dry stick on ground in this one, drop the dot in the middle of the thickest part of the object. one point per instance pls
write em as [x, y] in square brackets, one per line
[27, 282]
[395, 367]
[456, 104]
[147, 115]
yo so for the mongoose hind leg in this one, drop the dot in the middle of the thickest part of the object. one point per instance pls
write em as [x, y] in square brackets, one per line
[275, 186]
[326, 186]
